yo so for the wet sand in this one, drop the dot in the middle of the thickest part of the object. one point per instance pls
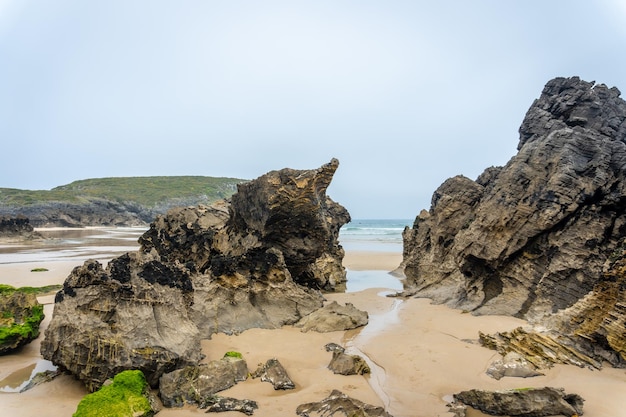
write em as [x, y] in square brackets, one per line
[420, 355]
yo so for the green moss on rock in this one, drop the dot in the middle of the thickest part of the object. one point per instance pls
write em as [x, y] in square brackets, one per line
[20, 315]
[233, 354]
[125, 397]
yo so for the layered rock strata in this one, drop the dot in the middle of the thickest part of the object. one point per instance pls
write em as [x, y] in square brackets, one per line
[530, 238]
[257, 261]
[587, 334]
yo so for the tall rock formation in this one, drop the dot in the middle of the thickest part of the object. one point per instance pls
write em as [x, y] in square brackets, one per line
[258, 261]
[530, 238]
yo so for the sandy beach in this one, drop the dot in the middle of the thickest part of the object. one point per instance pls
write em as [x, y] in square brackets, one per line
[420, 355]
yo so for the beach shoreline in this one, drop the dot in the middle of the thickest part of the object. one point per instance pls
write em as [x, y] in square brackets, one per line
[421, 354]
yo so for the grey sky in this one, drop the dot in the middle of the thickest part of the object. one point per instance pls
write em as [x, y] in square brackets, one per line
[404, 93]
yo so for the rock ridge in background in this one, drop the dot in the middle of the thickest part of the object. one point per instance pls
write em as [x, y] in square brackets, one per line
[257, 261]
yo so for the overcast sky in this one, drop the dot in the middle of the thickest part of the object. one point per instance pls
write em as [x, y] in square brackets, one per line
[404, 93]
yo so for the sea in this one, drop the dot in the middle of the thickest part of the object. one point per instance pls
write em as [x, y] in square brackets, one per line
[375, 235]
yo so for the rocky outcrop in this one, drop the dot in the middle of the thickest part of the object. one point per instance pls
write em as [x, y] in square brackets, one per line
[20, 317]
[92, 212]
[18, 227]
[197, 384]
[338, 404]
[530, 238]
[255, 262]
[527, 402]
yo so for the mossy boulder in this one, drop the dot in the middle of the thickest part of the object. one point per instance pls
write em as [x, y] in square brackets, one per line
[126, 396]
[20, 316]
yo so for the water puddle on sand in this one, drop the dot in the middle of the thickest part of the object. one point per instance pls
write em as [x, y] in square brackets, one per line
[362, 280]
[359, 338]
[16, 381]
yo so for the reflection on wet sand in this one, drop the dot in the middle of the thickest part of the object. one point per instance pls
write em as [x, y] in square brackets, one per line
[72, 244]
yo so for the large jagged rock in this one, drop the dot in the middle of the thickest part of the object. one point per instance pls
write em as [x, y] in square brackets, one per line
[530, 402]
[284, 211]
[256, 262]
[530, 238]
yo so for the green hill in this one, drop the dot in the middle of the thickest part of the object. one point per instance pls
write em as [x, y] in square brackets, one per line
[113, 201]
[146, 191]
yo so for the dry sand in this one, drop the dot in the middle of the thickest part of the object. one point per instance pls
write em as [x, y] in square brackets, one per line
[420, 354]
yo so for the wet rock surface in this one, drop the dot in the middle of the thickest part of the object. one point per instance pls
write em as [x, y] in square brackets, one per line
[257, 261]
[530, 238]
[338, 404]
[531, 402]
